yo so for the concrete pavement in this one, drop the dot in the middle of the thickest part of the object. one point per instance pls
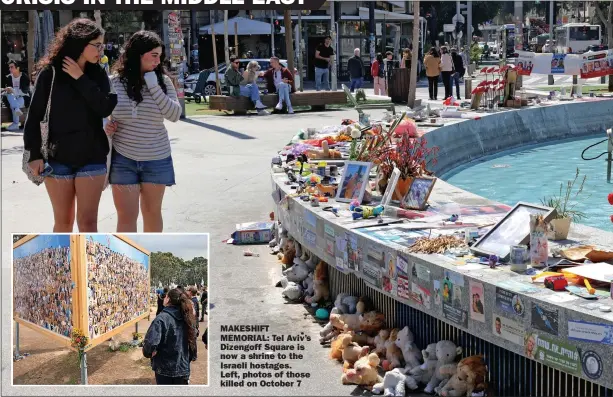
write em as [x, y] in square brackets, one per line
[222, 173]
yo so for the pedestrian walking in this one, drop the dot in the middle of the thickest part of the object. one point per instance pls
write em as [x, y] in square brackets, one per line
[204, 300]
[446, 70]
[73, 93]
[458, 71]
[170, 341]
[141, 160]
[322, 62]
[432, 63]
[377, 71]
[355, 66]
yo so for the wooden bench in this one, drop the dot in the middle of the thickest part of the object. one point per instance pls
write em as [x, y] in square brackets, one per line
[388, 106]
[317, 100]
[7, 116]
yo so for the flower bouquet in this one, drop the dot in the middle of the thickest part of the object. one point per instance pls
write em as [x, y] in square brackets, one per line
[79, 341]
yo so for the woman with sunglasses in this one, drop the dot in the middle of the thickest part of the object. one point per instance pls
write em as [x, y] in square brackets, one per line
[78, 92]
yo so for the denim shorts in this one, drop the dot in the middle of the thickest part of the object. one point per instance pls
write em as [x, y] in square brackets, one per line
[61, 171]
[125, 171]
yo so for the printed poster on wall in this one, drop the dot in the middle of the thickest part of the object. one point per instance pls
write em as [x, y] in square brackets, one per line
[476, 301]
[453, 284]
[554, 353]
[590, 332]
[390, 274]
[544, 319]
[437, 292]
[353, 254]
[509, 302]
[524, 63]
[421, 295]
[597, 64]
[341, 253]
[373, 266]
[557, 63]
[509, 329]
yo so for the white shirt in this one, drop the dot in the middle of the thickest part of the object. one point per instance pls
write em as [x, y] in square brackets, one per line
[446, 63]
[16, 81]
[278, 78]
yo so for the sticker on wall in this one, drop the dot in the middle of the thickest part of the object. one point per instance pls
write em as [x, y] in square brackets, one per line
[310, 238]
[452, 299]
[352, 251]
[330, 245]
[476, 301]
[544, 319]
[553, 353]
[509, 302]
[590, 332]
[403, 287]
[420, 271]
[421, 295]
[310, 218]
[390, 274]
[402, 265]
[455, 278]
[329, 230]
[509, 329]
[340, 264]
[591, 364]
[341, 252]
[389, 285]
[437, 292]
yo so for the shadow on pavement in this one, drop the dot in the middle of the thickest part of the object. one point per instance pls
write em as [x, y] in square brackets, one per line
[226, 131]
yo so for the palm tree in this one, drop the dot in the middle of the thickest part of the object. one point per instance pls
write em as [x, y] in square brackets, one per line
[413, 84]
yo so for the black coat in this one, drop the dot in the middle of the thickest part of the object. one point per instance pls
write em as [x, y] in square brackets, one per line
[78, 106]
[168, 338]
[355, 65]
[24, 86]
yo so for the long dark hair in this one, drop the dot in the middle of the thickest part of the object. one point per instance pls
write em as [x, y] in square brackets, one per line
[70, 41]
[127, 66]
[380, 57]
[180, 300]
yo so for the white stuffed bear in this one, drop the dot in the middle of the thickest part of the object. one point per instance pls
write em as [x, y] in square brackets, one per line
[446, 353]
[297, 273]
[393, 384]
[406, 342]
[291, 290]
[345, 303]
[424, 372]
[307, 285]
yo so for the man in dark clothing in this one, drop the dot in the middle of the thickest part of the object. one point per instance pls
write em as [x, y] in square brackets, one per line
[161, 296]
[458, 67]
[204, 298]
[355, 65]
[193, 292]
[323, 59]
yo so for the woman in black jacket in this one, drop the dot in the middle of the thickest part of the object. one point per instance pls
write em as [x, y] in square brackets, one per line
[458, 67]
[170, 341]
[80, 98]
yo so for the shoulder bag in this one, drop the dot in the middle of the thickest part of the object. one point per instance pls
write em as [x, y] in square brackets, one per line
[44, 135]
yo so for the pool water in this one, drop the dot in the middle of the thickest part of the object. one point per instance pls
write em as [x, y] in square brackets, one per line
[531, 174]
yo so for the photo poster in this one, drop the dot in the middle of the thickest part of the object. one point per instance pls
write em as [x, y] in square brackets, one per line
[353, 253]
[418, 194]
[509, 302]
[118, 284]
[390, 274]
[477, 300]
[554, 353]
[437, 292]
[509, 329]
[524, 63]
[597, 64]
[342, 256]
[354, 181]
[557, 63]
[544, 319]
[43, 283]
[453, 284]
[373, 266]
[402, 275]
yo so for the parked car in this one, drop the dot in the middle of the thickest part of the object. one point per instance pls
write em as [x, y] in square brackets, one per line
[210, 88]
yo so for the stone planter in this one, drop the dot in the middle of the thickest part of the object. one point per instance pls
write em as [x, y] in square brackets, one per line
[560, 228]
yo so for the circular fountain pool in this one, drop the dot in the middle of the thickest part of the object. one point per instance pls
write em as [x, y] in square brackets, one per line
[534, 173]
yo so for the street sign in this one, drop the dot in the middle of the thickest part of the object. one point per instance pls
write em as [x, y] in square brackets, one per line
[457, 18]
[448, 27]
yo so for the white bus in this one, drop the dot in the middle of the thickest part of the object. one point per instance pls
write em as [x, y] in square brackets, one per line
[575, 38]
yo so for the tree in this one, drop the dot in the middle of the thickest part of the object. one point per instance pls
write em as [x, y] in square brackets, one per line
[413, 83]
[607, 21]
[167, 269]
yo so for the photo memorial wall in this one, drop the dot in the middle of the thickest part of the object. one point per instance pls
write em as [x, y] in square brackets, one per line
[43, 283]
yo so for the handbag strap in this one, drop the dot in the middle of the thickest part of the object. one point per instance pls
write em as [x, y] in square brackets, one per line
[46, 118]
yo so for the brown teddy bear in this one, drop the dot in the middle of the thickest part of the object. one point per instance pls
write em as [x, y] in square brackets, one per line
[364, 372]
[320, 284]
[470, 377]
[393, 354]
[336, 347]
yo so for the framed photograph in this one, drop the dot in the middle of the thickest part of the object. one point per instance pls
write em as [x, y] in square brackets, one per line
[391, 186]
[418, 194]
[353, 181]
[512, 230]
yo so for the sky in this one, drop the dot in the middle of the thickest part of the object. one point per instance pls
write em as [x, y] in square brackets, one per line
[185, 246]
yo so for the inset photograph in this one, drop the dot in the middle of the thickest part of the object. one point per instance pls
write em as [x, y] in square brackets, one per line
[110, 309]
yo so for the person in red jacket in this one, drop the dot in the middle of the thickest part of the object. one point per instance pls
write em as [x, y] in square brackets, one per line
[281, 81]
[377, 71]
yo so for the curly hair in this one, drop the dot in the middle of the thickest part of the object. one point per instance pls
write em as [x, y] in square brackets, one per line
[70, 41]
[128, 66]
[179, 299]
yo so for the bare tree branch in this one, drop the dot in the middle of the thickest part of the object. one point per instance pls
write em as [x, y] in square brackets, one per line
[600, 14]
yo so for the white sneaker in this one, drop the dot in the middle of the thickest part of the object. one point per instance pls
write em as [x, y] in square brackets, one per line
[259, 105]
[18, 112]
[263, 112]
[290, 110]
[279, 105]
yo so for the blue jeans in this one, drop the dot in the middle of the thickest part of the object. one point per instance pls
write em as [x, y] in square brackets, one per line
[283, 90]
[62, 171]
[322, 74]
[16, 103]
[252, 91]
[125, 171]
[455, 79]
[356, 83]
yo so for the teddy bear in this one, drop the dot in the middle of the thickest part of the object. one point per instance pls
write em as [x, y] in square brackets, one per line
[364, 372]
[291, 290]
[393, 354]
[312, 262]
[320, 284]
[307, 285]
[345, 303]
[297, 273]
[422, 373]
[469, 377]
[336, 347]
[363, 339]
[446, 353]
[371, 322]
[380, 340]
[406, 342]
[352, 352]
[332, 328]
[393, 384]
[289, 253]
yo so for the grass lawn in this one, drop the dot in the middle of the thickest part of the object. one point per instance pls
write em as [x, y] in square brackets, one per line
[202, 108]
